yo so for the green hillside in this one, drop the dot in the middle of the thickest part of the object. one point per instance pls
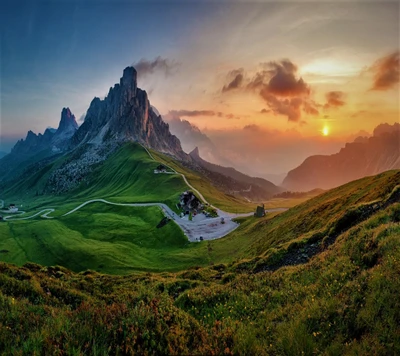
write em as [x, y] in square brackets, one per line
[109, 239]
[213, 195]
[342, 299]
[126, 176]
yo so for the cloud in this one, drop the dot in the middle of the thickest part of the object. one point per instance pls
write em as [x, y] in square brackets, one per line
[358, 113]
[279, 78]
[194, 113]
[252, 127]
[145, 67]
[288, 107]
[386, 72]
[310, 107]
[235, 78]
[334, 99]
[283, 92]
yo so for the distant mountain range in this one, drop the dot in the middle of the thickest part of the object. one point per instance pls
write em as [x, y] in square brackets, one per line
[124, 115]
[191, 137]
[255, 189]
[363, 157]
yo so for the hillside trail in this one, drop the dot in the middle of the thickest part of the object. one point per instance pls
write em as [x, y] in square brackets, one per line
[200, 228]
[184, 178]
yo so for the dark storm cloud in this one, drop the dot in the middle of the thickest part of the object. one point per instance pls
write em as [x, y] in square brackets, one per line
[145, 67]
[386, 72]
[235, 78]
[334, 99]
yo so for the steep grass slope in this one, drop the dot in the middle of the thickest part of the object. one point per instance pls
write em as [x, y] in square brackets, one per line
[212, 194]
[344, 301]
[119, 240]
[126, 176]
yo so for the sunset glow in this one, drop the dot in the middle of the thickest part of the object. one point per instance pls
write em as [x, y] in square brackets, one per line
[261, 80]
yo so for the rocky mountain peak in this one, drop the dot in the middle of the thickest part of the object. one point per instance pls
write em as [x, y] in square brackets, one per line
[30, 136]
[195, 153]
[66, 129]
[129, 81]
[68, 121]
[125, 114]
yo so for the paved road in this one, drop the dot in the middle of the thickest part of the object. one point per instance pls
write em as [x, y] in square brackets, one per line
[183, 176]
[200, 226]
[43, 213]
[208, 228]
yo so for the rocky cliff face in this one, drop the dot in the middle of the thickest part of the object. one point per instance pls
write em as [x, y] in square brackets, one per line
[66, 129]
[57, 141]
[33, 143]
[364, 157]
[126, 115]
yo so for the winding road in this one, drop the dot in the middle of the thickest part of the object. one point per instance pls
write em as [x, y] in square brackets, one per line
[199, 227]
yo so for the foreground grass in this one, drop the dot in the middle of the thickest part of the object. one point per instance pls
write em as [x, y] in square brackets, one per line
[342, 302]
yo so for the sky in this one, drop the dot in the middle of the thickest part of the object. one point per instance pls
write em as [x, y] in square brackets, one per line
[269, 82]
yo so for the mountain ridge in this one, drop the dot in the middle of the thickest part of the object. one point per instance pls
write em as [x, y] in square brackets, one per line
[360, 158]
[257, 188]
[125, 114]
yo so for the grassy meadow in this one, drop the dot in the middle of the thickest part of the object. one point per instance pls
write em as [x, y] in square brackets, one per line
[120, 286]
[344, 301]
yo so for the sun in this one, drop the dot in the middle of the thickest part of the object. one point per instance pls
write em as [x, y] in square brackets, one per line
[325, 131]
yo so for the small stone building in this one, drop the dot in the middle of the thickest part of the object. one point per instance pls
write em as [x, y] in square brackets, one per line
[260, 211]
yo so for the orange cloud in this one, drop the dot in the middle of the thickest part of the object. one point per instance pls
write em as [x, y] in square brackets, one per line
[195, 113]
[386, 72]
[279, 78]
[282, 91]
[334, 99]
